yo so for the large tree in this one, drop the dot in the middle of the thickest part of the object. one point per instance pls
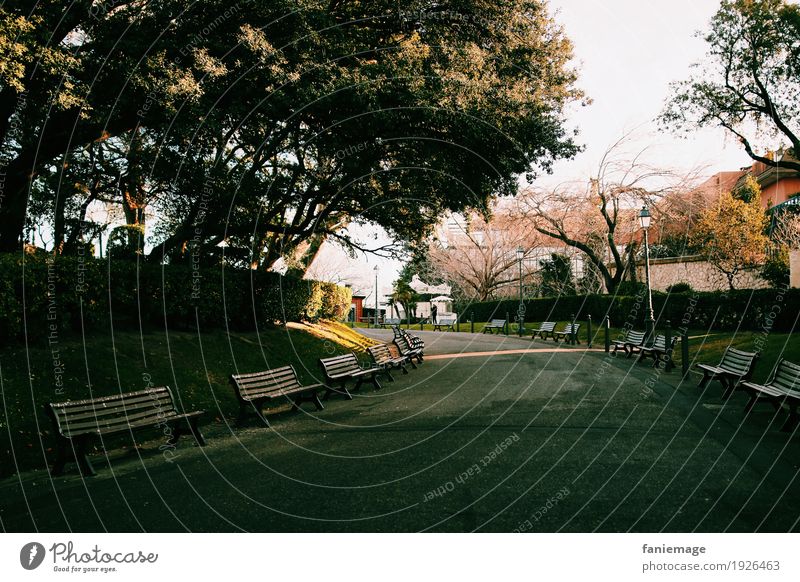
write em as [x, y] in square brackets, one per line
[749, 82]
[600, 218]
[272, 122]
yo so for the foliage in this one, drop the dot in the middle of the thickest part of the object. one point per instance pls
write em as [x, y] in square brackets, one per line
[402, 292]
[265, 124]
[776, 268]
[681, 287]
[731, 234]
[42, 294]
[556, 276]
[749, 83]
[749, 190]
[759, 309]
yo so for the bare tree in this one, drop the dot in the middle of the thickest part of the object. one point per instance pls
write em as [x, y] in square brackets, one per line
[600, 218]
[479, 256]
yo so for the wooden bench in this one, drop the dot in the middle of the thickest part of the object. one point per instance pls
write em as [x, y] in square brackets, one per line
[736, 366]
[569, 333]
[391, 321]
[385, 360]
[77, 422]
[783, 387]
[407, 351]
[416, 343]
[495, 324]
[342, 369]
[448, 322]
[254, 390]
[659, 351]
[631, 343]
[545, 328]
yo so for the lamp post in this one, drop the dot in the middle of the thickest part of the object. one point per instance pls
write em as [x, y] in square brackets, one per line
[521, 309]
[650, 322]
[376, 295]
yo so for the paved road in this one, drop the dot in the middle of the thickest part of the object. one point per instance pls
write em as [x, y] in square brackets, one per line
[555, 440]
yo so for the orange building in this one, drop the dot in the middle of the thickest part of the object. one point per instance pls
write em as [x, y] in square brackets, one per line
[777, 184]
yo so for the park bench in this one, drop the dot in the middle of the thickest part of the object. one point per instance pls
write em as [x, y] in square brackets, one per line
[254, 390]
[659, 350]
[407, 351]
[342, 369]
[77, 422]
[736, 366]
[416, 343]
[632, 341]
[391, 321]
[447, 322]
[385, 360]
[495, 324]
[569, 332]
[545, 328]
[782, 387]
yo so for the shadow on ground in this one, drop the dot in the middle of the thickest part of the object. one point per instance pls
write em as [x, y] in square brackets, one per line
[565, 440]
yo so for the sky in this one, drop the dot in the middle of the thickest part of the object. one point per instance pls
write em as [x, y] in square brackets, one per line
[627, 52]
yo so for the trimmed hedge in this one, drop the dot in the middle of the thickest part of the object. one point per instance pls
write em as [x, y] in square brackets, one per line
[773, 309]
[40, 295]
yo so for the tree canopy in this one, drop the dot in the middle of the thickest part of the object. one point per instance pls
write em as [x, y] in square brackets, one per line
[264, 123]
[749, 84]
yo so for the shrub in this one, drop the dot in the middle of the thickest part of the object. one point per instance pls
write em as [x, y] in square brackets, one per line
[42, 295]
[681, 287]
[770, 309]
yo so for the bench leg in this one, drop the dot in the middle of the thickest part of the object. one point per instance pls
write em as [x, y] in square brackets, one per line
[748, 408]
[195, 430]
[704, 381]
[61, 459]
[83, 459]
[375, 382]
[315, 399]
[729, 386]
[792, 420]
[242, 414]
[403, 368]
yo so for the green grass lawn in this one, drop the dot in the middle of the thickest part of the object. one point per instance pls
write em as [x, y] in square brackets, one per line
[197, 367]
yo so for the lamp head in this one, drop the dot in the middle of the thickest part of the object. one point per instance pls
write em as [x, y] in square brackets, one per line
[644, 217]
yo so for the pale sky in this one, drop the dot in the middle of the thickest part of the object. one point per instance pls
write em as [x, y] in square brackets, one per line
[627, 51]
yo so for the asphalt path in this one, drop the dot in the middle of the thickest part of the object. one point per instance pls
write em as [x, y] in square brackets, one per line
[490, 433]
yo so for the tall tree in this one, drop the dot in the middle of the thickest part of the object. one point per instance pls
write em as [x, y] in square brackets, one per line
[600, 218]
[274, 121]
[749, 83]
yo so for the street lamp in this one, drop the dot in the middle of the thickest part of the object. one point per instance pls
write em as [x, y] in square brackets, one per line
[650, 322]
[521, 309]
[376, 295]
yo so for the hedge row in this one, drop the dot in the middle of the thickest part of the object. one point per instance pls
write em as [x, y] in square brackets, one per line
[40, 295]
[774, 309]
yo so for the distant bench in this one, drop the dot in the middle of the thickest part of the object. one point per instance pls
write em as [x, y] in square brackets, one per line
[569, 332]
[390, 321]
[659, 351]
[632, 340]
[256, 389]
[79, 421]
[341, 369]
[545, 328]
[495, 324]
[448, 322]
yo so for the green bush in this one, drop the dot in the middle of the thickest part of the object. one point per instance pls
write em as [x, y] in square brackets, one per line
[42, 295]
[759, 309]
[680, 288]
